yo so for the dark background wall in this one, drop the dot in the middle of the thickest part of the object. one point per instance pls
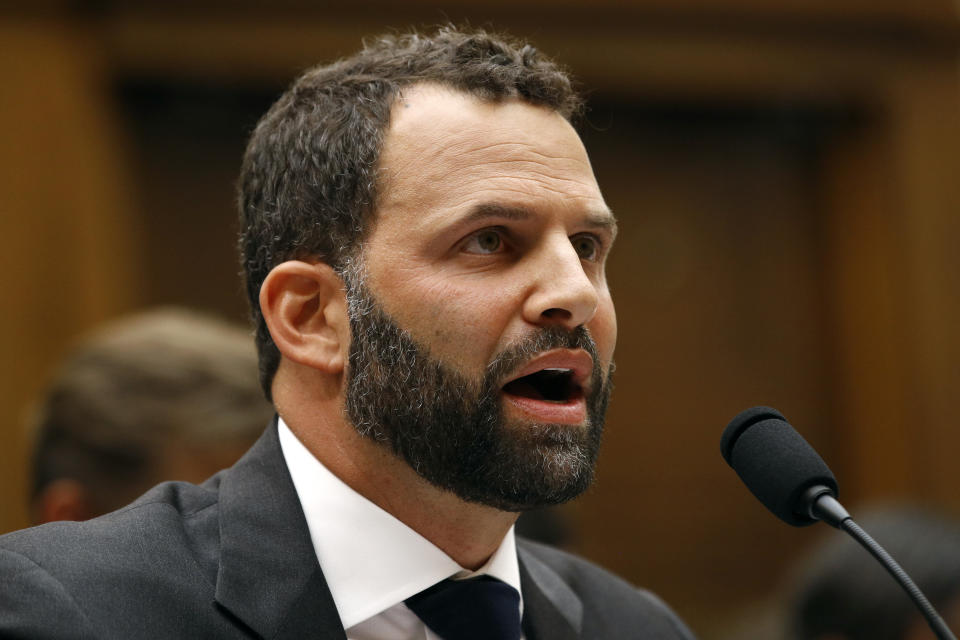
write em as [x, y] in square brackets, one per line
[785, 177]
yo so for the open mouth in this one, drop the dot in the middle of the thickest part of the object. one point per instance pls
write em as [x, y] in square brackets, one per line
[550, 385]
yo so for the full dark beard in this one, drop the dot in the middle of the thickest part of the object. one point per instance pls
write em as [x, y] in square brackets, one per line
[450, 427]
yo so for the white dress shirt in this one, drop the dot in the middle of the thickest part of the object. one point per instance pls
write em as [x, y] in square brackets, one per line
[371, 561]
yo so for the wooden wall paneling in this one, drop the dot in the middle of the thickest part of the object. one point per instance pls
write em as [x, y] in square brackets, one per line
[69, 248]
[860, 10]
[892, 237]
[187, 144]
[925, 106]
[745, 54]
[864, 269]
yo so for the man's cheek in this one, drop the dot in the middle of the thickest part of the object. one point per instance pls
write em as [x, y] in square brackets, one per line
[603, 329]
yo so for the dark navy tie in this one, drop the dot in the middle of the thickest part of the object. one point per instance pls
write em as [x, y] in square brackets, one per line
[481, 608]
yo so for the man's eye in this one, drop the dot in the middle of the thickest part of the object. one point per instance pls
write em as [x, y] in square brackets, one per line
[486, 241]
[586, 247]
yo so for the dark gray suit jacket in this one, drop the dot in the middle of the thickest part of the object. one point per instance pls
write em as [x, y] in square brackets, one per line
[232, 558]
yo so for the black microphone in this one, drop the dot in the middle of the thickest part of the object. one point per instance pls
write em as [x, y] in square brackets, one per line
[791, 479]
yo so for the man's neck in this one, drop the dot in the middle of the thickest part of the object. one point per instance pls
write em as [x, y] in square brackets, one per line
[467, 532]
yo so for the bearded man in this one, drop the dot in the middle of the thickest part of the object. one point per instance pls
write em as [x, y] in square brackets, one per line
[424, 245]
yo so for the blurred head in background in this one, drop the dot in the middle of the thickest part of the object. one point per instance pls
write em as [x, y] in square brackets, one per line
[845, 594]
[163, 395]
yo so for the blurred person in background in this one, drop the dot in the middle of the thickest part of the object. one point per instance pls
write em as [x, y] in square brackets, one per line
[167, 394]
[843, 593]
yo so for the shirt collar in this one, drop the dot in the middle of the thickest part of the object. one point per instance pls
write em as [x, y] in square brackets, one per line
[372, 561]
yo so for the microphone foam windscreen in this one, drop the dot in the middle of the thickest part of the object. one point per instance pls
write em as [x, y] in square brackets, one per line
[775, 462]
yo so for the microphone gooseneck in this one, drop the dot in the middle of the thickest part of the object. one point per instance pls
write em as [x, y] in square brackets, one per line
[933, 618]
[791, 479]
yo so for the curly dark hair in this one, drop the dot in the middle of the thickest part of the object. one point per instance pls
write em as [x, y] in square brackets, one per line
[308, 185]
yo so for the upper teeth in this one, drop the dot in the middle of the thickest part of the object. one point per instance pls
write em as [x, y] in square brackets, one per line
[558, 370]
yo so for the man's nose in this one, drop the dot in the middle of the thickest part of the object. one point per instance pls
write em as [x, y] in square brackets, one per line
[563, 292]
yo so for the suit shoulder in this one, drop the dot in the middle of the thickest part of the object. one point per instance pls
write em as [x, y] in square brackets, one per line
[169, 519]
[157, 554]
[607, 599]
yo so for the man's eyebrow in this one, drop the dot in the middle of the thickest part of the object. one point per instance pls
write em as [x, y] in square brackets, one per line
[605, 220]
[599, 219]
[487, 210]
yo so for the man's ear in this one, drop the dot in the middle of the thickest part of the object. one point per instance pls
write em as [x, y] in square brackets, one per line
[305, 308]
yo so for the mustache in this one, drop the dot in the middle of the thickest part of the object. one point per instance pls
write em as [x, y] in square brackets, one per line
[544, 339]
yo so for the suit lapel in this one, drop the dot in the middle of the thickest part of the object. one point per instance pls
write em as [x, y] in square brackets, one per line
[268, 576]
[551, 610]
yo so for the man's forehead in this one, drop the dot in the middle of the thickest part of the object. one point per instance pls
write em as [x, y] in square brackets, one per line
[427, 94]
[440, 138]
[426, 108]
